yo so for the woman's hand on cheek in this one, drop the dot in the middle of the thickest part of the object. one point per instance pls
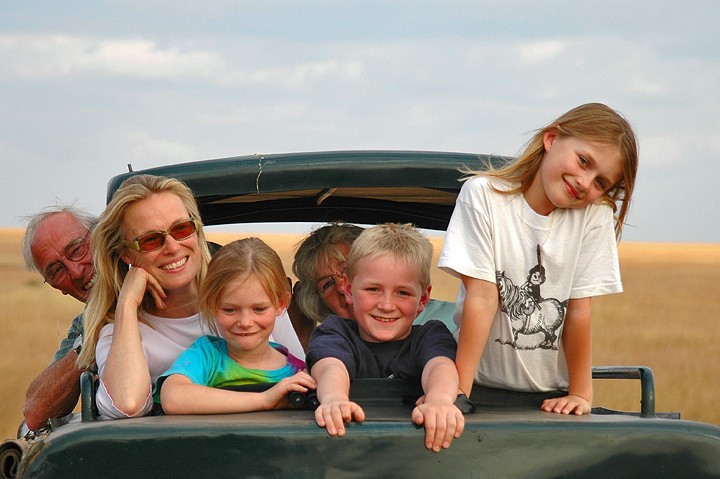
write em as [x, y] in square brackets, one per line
[138, 282]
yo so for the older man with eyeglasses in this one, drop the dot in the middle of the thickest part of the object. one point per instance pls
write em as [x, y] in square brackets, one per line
[57, 245]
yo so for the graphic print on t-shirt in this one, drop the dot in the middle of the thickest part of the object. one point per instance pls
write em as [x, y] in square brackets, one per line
[531, 315]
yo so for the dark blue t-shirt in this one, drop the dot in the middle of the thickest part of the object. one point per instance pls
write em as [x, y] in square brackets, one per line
[404, 359]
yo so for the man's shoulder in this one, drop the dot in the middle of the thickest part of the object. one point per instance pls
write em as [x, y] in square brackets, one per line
[77, 322]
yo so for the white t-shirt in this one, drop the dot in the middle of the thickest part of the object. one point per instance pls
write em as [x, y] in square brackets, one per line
[163, 340]
[495, 237]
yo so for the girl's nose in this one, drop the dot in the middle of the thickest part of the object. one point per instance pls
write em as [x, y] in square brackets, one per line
[243, 320]
[584, 181]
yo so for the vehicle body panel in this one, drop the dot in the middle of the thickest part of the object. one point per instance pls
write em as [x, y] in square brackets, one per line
[509, 438]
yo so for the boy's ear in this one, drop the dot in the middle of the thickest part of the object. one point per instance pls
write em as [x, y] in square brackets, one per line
[284, 301]
[348, 290]
[424, 299]
[549, 138]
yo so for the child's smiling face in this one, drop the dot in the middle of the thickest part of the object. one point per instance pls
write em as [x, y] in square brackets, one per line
[245, 315]
[573, 173]
[386, 297]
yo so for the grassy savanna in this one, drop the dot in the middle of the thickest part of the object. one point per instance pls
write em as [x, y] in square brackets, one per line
[665, 319]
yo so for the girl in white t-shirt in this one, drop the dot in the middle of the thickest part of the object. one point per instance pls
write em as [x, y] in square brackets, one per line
[532, 242]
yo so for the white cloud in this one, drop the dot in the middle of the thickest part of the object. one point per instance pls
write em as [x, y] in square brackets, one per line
[157, 151]
[268, 113]
[540, 51]
[298, 76]
[48, 55]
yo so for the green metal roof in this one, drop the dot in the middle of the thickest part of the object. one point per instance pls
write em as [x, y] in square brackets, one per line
[368, 187]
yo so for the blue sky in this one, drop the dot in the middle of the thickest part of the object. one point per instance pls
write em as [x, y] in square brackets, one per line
[87, 87]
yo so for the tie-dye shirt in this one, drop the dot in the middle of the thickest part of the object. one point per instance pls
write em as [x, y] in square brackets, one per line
[208, 363]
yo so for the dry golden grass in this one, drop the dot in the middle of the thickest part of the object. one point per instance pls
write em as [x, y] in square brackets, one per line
[664, 320]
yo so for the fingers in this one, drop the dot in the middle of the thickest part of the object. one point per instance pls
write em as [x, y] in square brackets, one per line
[567, 405]
[442, 425]
[138, 282]
[334, 416]
[157, 292]
[358, 415]
[301, 382]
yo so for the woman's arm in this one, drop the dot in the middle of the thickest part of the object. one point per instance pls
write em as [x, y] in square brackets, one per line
[125, 374]
[479, 309]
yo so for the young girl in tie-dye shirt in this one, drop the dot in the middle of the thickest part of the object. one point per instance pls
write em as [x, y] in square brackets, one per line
[244, 290]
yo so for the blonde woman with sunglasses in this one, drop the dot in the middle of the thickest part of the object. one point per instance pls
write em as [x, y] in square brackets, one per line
[151, 254]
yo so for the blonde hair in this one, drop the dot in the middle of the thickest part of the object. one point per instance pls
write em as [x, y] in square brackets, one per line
[242, 258]
[403, 241]
[318, 248]
[107, 246]
[592, 122]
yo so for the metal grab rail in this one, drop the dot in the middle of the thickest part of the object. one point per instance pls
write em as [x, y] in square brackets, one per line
[643, 373]
[88, 408]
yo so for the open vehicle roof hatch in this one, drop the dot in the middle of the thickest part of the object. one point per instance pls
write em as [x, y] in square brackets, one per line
[367, 187]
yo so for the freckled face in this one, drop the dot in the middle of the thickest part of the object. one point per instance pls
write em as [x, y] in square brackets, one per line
[245, 316]
[386, 297]
[573, 174]
[175, 264]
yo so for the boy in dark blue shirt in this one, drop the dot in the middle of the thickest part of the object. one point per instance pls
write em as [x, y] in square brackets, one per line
[388, 285]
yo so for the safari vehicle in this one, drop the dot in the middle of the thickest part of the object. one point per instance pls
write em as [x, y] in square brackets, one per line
[506, 436]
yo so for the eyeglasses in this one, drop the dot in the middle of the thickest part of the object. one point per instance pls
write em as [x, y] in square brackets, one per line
[156, 239]
[76, 250]
[326, 284]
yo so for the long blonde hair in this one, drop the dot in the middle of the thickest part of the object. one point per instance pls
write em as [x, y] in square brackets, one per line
[592, 122]
[107, 246]
[242, 258]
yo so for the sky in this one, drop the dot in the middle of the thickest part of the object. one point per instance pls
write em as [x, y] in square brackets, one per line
[88, 87]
